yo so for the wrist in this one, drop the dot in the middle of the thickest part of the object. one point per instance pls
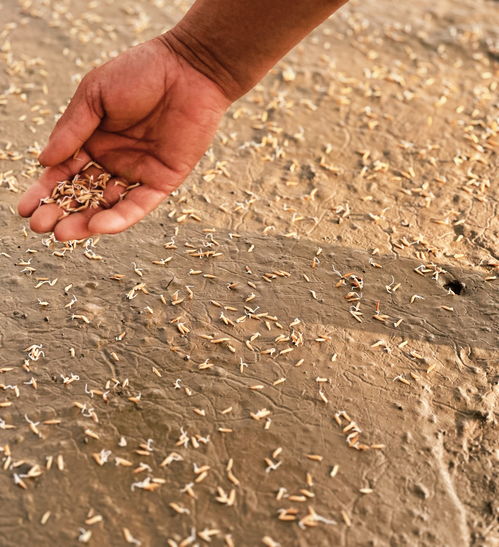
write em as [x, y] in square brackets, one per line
[208, 59]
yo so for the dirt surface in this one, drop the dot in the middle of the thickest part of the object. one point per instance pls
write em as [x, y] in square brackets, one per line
[300, 347]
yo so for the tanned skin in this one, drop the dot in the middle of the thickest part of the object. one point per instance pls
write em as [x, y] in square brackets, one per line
[149, 114]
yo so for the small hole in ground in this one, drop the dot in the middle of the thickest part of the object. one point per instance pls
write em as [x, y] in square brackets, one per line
[455, 286]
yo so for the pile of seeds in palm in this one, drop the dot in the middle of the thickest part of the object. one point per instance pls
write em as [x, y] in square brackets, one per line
[84, 191]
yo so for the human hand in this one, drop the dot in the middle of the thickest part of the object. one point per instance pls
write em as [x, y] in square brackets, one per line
[146, 116]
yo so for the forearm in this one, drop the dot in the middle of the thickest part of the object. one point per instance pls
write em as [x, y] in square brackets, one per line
[235, 42]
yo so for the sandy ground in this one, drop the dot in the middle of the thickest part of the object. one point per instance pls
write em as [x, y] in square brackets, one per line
[300, 347]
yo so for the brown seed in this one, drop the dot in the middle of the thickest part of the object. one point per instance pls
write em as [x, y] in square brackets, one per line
[122, 461]
[94, 520]
[315, 457]
[91, 433]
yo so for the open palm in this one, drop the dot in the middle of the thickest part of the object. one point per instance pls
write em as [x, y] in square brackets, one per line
[146, 116]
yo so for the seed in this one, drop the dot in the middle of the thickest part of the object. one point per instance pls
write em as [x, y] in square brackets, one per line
[269, 542]
[232, 478]
[207, 534]
[45, 518]
[172, 457]
[297, 498]
[94, 520]
[84, 318]
[263, 413]
[402, 379]
[201, 477]
[85, 535]
[129, 538]
[276, 452]
[122, 461]
[220, 340]
[91, 433]
[287, 350]
[346, 518]
[179, 508]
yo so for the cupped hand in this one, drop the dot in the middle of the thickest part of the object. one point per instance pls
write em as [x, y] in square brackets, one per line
[146, 116]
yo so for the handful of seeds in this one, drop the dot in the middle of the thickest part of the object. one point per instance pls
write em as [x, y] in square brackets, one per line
[84, 191]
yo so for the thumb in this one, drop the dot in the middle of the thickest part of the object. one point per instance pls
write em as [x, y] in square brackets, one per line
[75, 126]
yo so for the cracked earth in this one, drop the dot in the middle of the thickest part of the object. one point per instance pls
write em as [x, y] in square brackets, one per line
[299, 348]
